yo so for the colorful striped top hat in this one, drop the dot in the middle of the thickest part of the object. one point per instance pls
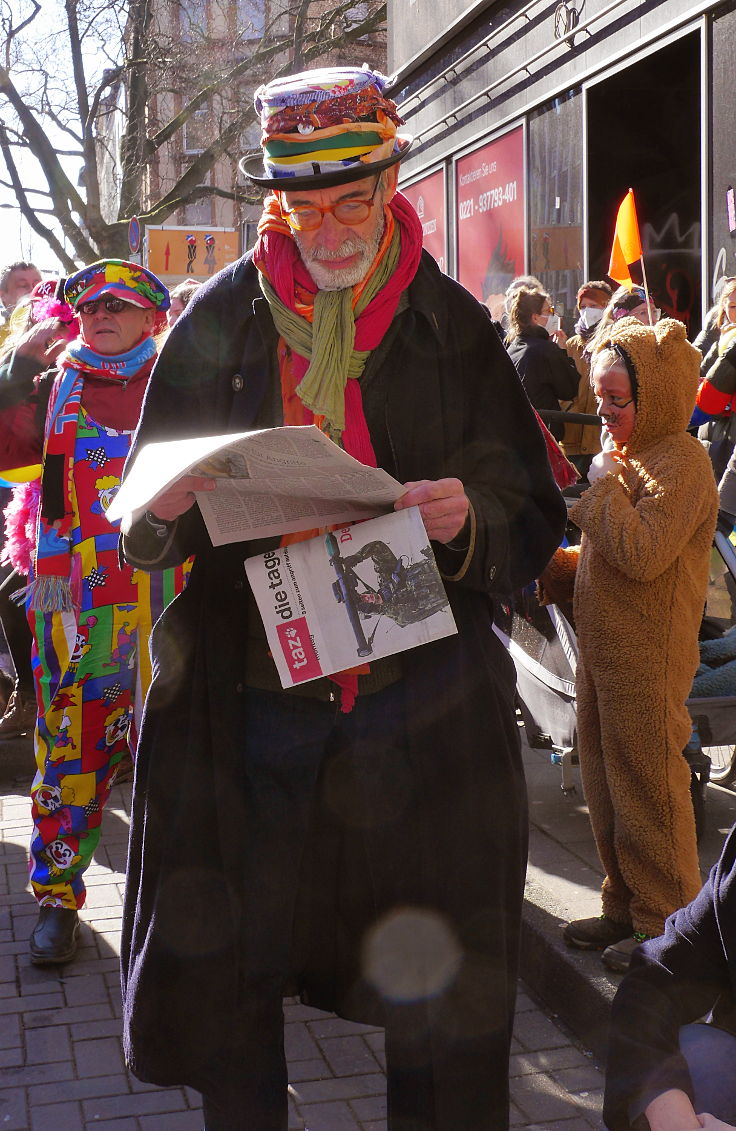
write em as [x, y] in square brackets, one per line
[116, 277]
[325, 127]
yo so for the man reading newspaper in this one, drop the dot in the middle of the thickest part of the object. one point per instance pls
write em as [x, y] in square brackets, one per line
[360, 841]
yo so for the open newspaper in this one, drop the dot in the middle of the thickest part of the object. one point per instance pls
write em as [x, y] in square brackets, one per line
[351, 596]
[270, 482]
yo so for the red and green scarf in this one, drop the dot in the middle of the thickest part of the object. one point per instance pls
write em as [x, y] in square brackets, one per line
[289, 285]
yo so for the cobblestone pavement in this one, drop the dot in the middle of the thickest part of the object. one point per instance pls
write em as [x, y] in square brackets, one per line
[61, 1066]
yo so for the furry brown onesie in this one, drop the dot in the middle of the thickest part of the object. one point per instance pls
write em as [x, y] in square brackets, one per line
[639, 591]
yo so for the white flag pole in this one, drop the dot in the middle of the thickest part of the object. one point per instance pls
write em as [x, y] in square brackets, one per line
[646, 290]
[643, 269]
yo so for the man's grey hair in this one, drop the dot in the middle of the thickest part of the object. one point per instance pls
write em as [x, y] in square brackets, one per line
[6, 272]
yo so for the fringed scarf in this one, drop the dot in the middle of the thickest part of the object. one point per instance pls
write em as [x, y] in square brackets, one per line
[327, 336]
[50, 588]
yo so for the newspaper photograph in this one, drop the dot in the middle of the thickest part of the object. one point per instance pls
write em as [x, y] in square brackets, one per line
[270, 482]
[350, 596]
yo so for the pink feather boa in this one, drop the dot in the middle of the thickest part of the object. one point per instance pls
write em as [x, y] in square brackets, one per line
[20, 526]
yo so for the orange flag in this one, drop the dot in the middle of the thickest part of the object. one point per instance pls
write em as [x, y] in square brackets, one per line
[626, 242]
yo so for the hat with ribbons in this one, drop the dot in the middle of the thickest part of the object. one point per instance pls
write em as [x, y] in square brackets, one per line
[325, 127]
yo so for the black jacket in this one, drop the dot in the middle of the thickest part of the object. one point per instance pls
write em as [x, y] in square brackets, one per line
[674, 980]
[547, 373]
[441, 399]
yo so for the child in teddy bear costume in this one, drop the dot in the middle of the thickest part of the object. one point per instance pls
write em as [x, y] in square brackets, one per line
[639, 579]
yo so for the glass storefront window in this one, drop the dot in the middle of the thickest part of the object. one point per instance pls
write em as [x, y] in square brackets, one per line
[555, 155]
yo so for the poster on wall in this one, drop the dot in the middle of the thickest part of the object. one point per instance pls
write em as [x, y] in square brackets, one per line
[190, 252]
[489, 195]
[428, 197]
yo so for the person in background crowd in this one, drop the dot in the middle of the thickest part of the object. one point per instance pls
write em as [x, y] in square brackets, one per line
[529, 281]
[665, 1063]
[717, 392]
[547, 373]
[582, 441]
[16, 280]
[42, 325]
[639, 580]
[181, 295]
[625, 303]
[267, 823]
[710, 333]
[91, 617]
[500, 304]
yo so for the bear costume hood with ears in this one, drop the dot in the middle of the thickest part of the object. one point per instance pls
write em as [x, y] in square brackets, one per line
[666, 372]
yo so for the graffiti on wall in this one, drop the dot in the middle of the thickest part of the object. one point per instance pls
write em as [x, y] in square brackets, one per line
[673, 263]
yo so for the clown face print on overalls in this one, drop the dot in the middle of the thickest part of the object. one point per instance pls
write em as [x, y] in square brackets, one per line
[61, 855]
[81, 643]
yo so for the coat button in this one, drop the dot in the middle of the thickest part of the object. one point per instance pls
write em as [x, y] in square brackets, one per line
[237, 383]
[491, 573]
[238, 584]
[239, 688]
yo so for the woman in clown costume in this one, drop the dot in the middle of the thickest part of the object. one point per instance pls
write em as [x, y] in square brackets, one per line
[90, 616]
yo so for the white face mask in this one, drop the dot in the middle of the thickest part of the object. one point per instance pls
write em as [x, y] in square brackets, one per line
[590, 316]
[553, 323]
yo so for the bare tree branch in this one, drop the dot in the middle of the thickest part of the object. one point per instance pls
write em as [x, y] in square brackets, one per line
[49, 111]
[27, 209]
[298, 40]
[199, 192]
[111, 77]
[28, 191]
[92, 185]
[15, 31]
[128, 117]
[65, 196]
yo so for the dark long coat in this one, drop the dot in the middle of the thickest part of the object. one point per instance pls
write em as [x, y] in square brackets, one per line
[441, 399]
[547, 373]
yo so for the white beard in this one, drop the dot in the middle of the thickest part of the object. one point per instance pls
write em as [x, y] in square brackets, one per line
[329, 279]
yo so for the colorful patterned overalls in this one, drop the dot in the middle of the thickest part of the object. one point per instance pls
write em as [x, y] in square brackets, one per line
[92, 671]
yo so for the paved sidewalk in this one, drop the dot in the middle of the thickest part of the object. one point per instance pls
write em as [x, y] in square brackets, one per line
[61, 1066]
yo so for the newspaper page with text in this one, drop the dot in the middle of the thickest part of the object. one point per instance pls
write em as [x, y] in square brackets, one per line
[350, 596]
[269, 482]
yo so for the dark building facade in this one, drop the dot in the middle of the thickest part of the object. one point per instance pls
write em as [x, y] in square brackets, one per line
[532, 120]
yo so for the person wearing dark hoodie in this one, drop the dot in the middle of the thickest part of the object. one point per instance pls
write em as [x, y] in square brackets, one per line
[547, 373]
[639, 580]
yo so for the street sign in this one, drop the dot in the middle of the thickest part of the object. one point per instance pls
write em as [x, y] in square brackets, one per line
[134, 235]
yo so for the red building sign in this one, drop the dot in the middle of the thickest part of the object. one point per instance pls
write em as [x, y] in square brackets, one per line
[428, 197]
[489, 194]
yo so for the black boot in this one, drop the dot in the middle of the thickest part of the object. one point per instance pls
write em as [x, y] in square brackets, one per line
[54, 938]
